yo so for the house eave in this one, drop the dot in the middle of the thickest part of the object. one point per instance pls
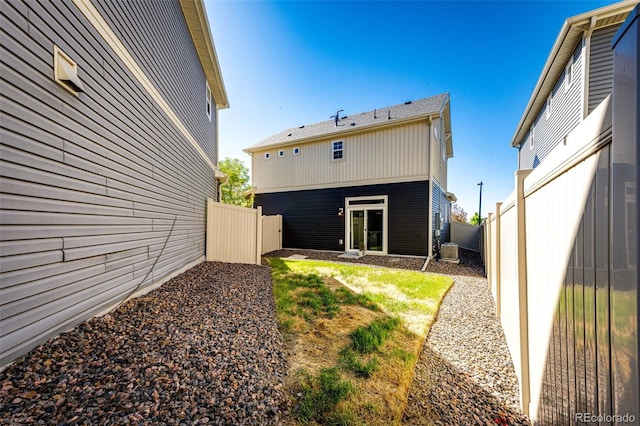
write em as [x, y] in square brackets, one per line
[196, 16]
[571, 32]
[337, 135]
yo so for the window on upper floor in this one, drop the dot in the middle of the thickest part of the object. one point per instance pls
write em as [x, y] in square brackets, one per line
[531, 137]
[267, 155]
[281, 153]
[296, 151]
[568, 75]
[549, 106]
[337, 150]
[208, 100]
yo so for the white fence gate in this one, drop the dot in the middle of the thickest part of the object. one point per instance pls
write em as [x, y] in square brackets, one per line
[240, 234]
[271, 233]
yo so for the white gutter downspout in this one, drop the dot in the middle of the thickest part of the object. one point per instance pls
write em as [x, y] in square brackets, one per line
[585, 67]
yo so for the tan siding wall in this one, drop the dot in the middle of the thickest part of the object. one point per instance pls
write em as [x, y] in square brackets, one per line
[387, 155]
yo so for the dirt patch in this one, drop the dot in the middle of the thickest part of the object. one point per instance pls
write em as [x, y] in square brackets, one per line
[318, 347]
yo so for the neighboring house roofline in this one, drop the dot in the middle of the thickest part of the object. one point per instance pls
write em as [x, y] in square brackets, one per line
[196, 16]
[362, 123]
[568, 38]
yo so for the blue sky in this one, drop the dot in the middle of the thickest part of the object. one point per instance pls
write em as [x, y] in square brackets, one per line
[288, 63]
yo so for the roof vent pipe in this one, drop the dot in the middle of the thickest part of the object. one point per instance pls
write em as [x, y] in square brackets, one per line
[389, 115]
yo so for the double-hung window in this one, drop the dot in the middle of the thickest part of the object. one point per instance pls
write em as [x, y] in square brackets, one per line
[337, 150]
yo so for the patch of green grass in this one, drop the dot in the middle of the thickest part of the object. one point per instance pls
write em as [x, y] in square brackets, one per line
[321, 394]
[371, 337]
[350, 298]
[392, 306]
[403, 355]
[320, 300]
[351, 361]
[422, 290]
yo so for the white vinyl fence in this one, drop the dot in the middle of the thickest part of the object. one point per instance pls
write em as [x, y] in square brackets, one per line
[236, 234]
[271, 233]
[547, 254]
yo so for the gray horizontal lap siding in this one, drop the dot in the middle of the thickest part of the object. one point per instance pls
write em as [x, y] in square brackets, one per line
[310, 218]
[443, 206]
[565, 115]
[162, 55]
[601, 66]
[90, 186]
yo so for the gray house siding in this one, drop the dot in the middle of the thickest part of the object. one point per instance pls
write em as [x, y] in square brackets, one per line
[601, 66]
[162, 55]
[565, 114]
[440, 204]
[101, 192]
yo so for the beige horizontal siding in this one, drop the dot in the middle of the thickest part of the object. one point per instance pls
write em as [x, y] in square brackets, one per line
[386, 155]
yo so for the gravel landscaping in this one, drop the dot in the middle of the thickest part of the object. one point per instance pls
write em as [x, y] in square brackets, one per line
[203, 348]
[464, 374]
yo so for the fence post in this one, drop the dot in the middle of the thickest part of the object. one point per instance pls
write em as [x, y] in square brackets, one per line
[208, 231]
[523, 312]
[259, 219]
[498, 259]
[488, 260]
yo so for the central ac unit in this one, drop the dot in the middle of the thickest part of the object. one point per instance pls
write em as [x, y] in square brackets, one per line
[449, 251]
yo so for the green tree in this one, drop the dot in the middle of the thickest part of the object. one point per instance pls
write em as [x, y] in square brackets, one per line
[475, 219]
[237, 189]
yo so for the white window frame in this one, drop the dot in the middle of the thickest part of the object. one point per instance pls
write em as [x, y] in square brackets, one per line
[532, 134]
[568, 75]
[281, 153]
[549, 106]
[267, 155]
[296, 150]
[334, 150]
[380, 202]
[208, 101]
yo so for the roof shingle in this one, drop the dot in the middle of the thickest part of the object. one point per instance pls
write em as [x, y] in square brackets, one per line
[378, 117]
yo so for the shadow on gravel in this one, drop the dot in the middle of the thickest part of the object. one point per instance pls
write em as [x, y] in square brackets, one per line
[449, 397]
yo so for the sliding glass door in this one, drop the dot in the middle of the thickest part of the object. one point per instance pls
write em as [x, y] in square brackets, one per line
[366, 224]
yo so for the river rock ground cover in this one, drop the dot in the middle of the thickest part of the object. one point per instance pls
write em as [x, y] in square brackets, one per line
[203, 348]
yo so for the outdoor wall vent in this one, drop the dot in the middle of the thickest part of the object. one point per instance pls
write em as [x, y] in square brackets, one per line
[65, 71]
